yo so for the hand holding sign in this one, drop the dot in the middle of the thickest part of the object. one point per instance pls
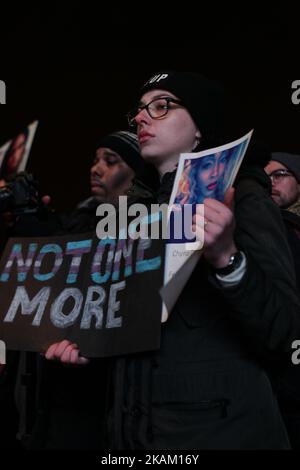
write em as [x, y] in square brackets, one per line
[57, 293]
[200, 177]
[66, 352]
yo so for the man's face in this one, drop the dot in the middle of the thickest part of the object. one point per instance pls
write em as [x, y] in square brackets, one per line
[285, 188]
[110, 177]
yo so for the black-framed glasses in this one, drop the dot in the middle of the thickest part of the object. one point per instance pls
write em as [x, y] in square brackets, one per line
[157, 108]
[278, 175]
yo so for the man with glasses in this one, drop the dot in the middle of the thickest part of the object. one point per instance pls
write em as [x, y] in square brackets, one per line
[284, 172]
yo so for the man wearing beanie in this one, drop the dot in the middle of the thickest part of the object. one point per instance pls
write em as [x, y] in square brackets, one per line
[284, 172]
[71, 401]
[206, 388]
[116, 162]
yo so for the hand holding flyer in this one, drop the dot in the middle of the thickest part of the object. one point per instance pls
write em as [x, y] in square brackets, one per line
[202, 175]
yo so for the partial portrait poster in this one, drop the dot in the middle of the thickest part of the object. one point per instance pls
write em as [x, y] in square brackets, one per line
[14, 154]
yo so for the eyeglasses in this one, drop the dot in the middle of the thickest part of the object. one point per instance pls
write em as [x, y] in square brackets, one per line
[278, 175]
[156, 109]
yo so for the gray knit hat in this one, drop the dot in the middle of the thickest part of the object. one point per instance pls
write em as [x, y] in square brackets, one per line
[290, 160]
[126, 145]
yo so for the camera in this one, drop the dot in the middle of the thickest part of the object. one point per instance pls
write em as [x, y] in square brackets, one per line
[20, 195]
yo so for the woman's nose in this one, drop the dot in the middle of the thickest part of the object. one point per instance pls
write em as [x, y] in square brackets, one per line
[215, 170]
[142, 117]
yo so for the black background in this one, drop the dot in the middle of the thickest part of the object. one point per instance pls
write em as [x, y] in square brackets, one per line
[76, 68]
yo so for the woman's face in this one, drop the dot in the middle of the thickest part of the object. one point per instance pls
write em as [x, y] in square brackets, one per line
[211, 173]
[165, 138]
[16, 154]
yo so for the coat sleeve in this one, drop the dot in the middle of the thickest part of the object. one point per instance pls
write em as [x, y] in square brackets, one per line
[265, 303]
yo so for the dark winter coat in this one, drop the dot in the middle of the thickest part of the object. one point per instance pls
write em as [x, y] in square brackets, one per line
[286, 378]
[206, 388]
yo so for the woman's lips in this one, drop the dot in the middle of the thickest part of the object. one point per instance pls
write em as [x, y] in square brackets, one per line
[144, 136]
[212, 186]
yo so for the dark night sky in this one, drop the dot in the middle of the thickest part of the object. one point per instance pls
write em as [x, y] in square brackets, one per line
[76, 69]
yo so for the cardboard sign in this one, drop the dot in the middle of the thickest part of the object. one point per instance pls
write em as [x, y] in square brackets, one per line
[101, 294]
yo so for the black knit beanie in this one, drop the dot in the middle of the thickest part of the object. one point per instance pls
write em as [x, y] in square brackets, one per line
[203, 98]
[125, 144]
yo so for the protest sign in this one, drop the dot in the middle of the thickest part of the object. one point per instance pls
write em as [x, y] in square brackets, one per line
[101, 294]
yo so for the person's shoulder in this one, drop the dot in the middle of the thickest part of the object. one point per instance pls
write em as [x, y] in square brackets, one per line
[40, 224]
[254, 173]
[253, 201]
[252, 181]
[82, 218]
[290, 218]
[139, 191]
